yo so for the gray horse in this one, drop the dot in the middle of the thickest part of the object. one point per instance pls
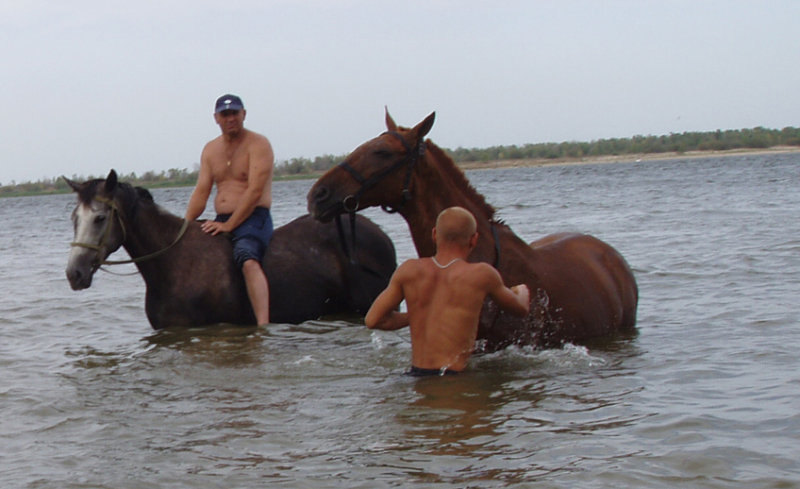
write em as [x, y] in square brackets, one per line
[191, 278]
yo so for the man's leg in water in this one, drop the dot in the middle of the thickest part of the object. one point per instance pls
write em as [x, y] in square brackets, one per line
[257, 290]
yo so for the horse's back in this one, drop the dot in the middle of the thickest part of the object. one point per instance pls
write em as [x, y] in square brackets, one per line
[372, 247]
[589, 281]
[553, 239]
[310, 273]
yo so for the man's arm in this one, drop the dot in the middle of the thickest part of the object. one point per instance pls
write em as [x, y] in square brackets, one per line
[392, 321]
[383, 313]
[201, 192]
[262, 161]
[515, 300]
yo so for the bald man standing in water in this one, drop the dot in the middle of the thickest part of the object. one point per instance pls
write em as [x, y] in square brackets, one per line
[444, 295]
[240, 162]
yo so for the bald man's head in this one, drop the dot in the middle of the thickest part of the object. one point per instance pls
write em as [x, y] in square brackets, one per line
[455, 225]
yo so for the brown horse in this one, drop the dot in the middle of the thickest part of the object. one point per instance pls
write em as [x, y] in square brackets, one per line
[581, 287]
[191, 278]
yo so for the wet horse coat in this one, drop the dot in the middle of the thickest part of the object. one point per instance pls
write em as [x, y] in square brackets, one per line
[193, 281]
[581, 287]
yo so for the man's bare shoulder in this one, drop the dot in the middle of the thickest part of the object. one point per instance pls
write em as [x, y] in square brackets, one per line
[409, 269]
[215, 144]
[410, 265]
[259, 148]
[484, 273]
[477, 267]
[256, 139]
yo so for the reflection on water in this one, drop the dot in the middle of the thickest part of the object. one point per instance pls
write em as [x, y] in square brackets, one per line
[455, 412]
[705, 395]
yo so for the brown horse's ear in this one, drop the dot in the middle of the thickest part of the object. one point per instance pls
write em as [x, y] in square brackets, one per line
[390, 125]
[422, 129]
[111, 182]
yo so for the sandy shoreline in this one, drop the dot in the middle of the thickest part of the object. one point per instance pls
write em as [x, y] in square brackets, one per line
[627, 158]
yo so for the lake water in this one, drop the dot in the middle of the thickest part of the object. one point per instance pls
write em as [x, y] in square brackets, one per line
[706, 395]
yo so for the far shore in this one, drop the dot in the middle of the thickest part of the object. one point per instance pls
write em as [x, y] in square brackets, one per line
[625, 158]
[595, 160]
[483, 165]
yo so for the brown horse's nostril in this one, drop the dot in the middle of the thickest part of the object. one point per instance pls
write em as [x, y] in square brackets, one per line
[321, 194]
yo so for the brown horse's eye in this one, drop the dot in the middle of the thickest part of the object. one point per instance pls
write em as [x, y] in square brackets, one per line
[383, 153]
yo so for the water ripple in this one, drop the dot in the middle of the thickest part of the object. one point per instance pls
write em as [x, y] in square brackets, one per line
[705, 395]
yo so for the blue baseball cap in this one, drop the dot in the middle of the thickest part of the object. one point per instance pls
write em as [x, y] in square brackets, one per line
[228, 102]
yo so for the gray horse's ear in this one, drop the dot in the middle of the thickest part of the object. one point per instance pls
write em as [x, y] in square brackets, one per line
[72, 184]
[111, 181]
[390, 124]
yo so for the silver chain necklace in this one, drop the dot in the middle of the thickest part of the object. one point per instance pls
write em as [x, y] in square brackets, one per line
[444, 266]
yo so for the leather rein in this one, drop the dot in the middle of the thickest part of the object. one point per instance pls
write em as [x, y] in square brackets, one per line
[115, 214]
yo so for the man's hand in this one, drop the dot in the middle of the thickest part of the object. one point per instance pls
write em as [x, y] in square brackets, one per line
[522, 291]
[523, 296]
[214, 228]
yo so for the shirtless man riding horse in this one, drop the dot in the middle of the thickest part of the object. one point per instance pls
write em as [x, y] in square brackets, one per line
[240, 162]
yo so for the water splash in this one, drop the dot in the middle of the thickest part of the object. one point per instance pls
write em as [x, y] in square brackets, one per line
[569, 357]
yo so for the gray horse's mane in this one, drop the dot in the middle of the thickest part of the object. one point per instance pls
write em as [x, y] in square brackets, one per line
[128, 196]
[88, 190]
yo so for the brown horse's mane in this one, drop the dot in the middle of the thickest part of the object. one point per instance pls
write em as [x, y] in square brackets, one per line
[446, 164]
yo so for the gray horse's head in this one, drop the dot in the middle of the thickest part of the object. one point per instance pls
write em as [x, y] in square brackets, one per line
[98, 228]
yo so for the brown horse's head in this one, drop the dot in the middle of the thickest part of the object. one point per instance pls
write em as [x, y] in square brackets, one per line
[377, 173]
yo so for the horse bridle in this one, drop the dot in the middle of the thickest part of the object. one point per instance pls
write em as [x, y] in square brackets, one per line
[101, 246]
[413, 154]
[351, 202]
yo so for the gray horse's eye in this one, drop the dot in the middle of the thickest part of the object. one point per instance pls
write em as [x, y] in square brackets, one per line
[99, 219]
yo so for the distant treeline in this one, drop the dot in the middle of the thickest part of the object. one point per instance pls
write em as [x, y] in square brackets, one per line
[173, 177]
[755, 138]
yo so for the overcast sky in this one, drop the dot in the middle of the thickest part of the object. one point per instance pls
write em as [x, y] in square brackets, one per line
[98, 84]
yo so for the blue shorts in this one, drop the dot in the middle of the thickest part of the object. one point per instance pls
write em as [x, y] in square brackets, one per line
[251, 238]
